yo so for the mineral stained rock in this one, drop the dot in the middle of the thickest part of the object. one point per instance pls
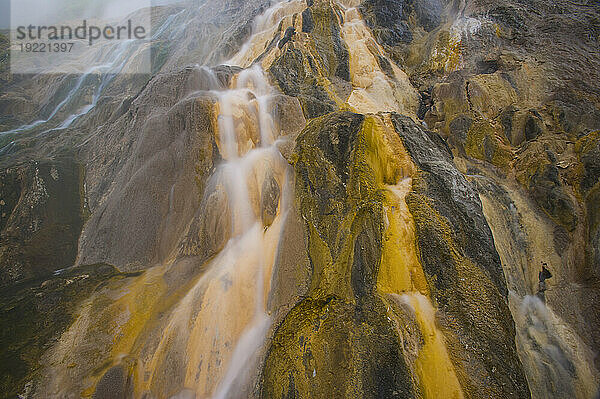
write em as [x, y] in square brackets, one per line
[310, 199]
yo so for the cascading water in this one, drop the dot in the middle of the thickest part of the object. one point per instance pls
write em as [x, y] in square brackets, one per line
[221, 323]
[251, 83]
[404, 281]
[556, 361]
[554, 367]
[373, 91]
[197, 322]
[264, 27]
[115, 56]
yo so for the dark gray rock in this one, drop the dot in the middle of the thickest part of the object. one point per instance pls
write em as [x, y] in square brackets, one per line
[112, 385]
[534, 126]
[308, 22]
[454, 197]
[287, 37]
[388, 20]
[42, 209]
[459, 127]
[591, 162]
[292, 78]
[269, 201]
[546, 189]
[33, 315]
[506, 119]
[428, 13]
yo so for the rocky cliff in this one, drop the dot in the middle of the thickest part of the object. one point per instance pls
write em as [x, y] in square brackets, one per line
[310, 199]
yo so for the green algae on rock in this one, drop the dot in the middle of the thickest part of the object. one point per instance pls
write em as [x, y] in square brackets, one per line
[324, 346]
[460, 260]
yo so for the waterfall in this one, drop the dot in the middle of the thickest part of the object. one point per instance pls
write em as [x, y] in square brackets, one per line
[374, 91]
[306, 238]
[556, 361]
[221, 323]
[403, 279]
[251, 83]
[263, 29]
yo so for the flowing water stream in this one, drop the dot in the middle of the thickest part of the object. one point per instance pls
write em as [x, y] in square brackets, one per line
[115, 56]
[222, 322]
[373, 90]
[403, 279]
[556, 361]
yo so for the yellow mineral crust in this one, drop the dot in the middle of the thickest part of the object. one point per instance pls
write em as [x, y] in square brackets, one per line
[400, 272]
[374, 91]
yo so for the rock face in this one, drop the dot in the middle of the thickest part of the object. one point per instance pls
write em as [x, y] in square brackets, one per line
[42, 209]
[34, 313]
[175, 139]
[347, 199]
[345, 310]
[457, 249]
[341, 322]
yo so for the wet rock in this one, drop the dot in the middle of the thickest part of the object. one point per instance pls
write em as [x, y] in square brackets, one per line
[575, 115]
[489, 94]
[319, 74]
[428, 13]
[33, 314]
[425, 103]
[365, 263]
[308, 22]
[333, 328]
[293, 80]
[269, 201]
[225, 73]
[386, 67]
[112, 385]
[547, 191]
[593, 207]
[291, 278]
[211, 227]
[320, 340]
[388, 20]
[561, 239]
[487, 66]
[588, 148]
[158, 175]
[287, 37]
[459, 128]
[287, 115]
[534, 125]
[457, 247]
[330, 47]
[42, 209]
[484, 141]
[506, 118]
[449, 99]
[457, 197]
[511, 17]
